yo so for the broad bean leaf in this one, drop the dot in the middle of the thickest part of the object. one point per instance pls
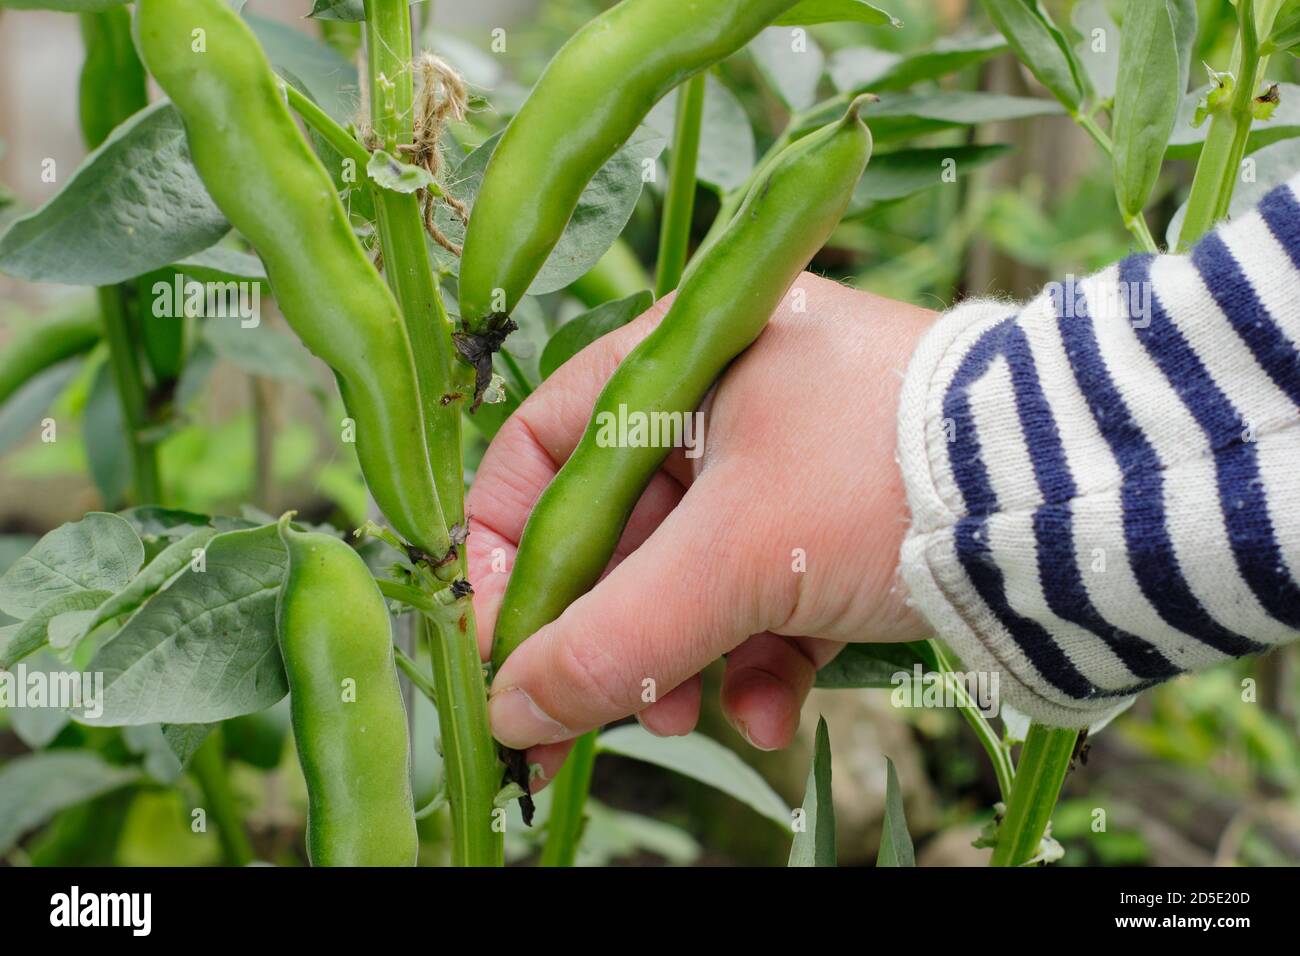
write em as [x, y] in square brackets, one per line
[351, 11]
[576, 334]
[221, 264]
[1146, 102]
[203, 649]
[726, 139]
[836, 11]
[702, 759]
[35, 787]
[814, 844]
[904, 115]
[603, 209]
[1098, 46]
[899, 174]
[1040, 46]
[895, 842]
[101, 552]
[104, 226]
[792, 64]
[25, 408]
[874, 665]
[860, 69]
[38, 726]
[319, 70]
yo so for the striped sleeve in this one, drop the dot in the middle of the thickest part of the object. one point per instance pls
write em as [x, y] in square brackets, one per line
[1105, 483]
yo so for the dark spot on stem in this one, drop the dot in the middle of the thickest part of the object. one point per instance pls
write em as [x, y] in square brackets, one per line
[516, 762]
[477, 348]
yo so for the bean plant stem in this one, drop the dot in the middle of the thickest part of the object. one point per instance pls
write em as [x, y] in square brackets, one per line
[468, 750]
[125, 362]
[417, 677]
[1225, 141]
[1044, 762]
[679, 199]
[334, 134]
[568, 800]
[406, 257]
[209, 769]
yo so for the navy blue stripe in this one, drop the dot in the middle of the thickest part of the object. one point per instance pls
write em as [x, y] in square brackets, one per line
[1235, 296]
[1150, 551]
[1281, 212]
[971, 539]
[1241, 492]
[1058, 567]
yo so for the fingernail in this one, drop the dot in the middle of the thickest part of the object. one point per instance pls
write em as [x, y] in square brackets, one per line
[742, 728]
[518, 722]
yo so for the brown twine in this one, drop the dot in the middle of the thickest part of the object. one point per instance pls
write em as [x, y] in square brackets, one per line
[442, 97]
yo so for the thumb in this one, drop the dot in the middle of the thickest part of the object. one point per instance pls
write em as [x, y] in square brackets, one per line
[697, 588]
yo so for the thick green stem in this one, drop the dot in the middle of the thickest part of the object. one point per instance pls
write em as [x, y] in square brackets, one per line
[469, 752]
[568, 800]
[1225, 141]
[127, 376]
[208, 768]
[679, 200]
[1044, 761]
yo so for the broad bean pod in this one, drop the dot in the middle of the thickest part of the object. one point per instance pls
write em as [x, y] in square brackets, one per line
[724, 301]
[264, 177]
[586, 104]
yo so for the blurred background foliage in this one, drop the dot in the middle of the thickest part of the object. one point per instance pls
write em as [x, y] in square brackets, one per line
[1203, 770]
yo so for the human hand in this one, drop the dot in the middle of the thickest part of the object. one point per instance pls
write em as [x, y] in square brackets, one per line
[774, 548]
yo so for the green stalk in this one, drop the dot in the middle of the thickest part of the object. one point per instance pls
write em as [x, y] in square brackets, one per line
[568, 798]
[469, 752]
[1044, 761]
[1225, 140]
[208, 767]
[334, 134]
[1136, 224]
[419, 680]
[679, 200]
[984, 732]
[125, 362]
[406, 259]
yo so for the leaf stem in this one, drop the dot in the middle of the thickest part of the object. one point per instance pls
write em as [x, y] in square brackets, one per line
[125, 362]
[568, 799]
[1044, 761]
[418, 678]
[208, 767]
[343, 142]
[679, 200]
[984, 732]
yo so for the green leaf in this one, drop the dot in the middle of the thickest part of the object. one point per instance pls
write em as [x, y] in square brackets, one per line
[861, 69]
[260, 350]
[702, 759]
[896, 175]
[726, 138]
[1098, 48]
[35, 787]
[221, 264]
[904, 115]
[321, 72]
[603, 210]
[1040, 45]
[836, 11]
[168, 563]
[391, 173]
[349, 11]
[1184, 16]
[874, 665]
[38, 726]
[814, 844]
[895, 843]
[792, 64]
[1146, 102]
[576, 334]
[205, 648]
[25, 408]
[33, 634]
[104, 225]
[99, 552]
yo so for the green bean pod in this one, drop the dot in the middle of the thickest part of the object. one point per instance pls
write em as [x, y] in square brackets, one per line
[349, 723]
[264, 177]
[725, 299]
[47, 342]
[586, 104]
